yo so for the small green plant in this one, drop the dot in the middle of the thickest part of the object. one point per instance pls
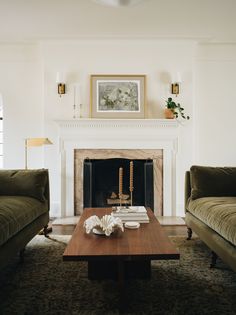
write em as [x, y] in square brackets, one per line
[176, 108]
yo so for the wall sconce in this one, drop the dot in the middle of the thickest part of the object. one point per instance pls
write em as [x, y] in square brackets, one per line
[175, 84]
[34, 142]
[61, 86]
[175, 88]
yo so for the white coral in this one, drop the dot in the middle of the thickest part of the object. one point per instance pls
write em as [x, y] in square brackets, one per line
[107, 224]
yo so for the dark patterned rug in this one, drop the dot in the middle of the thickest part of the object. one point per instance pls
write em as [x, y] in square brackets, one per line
[44, 284]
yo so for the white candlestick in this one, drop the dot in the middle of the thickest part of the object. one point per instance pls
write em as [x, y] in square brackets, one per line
[74, 94]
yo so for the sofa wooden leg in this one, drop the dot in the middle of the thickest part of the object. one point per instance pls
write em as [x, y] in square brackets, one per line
[21, 254]
[190, 233]
[213, 259]
[47, 230]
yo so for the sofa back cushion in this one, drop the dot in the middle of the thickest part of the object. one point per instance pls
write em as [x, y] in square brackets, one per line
[31, 183]
[212, 181]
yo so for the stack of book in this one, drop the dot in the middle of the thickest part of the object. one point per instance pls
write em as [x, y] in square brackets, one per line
[137, 214]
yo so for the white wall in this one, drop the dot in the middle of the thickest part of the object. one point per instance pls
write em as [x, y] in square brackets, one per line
[31, 103]
[21, 89]
[79, 59]
[215, 105]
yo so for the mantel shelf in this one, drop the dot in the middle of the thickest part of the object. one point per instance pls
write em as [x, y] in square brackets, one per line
[117, 123]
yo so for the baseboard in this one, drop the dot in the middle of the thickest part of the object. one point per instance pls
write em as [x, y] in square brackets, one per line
[171, 220]
[66, 221]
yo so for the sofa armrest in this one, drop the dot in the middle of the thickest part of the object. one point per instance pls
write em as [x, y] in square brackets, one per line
[187, 189]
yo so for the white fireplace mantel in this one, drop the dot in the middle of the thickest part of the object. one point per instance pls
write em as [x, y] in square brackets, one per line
[117, 123]
[117, 134]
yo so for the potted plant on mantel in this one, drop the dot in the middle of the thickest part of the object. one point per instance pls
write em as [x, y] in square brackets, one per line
[173, 110]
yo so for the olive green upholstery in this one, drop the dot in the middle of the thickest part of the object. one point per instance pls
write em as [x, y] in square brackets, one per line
[30, 183]
[24, 209]
[212, 181]
[211, 208]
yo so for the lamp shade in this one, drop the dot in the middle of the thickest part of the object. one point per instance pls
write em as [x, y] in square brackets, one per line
[60, 78]
[37, 142]
[34, 142]
[176, 78]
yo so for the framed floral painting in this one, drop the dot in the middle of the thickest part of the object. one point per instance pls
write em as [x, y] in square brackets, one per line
[118, 96]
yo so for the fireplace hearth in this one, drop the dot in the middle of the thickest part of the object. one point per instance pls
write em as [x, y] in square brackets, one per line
[101, 182]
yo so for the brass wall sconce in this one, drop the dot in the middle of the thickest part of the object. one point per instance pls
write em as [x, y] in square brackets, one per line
[176, 80]
[61, 86]
[175, 88]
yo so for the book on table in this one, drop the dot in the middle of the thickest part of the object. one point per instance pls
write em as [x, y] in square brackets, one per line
[136, 213]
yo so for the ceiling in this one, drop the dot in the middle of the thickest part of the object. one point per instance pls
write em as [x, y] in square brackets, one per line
[36, 20]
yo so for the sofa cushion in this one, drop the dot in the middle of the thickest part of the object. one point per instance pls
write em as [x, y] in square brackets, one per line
[24, 183]
[212, 181]
[219, 213]
[16, 212]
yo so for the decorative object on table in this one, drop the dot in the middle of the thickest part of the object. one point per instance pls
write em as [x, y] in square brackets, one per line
[34, 142]
[104, 226]
[126, 214]
[117, 96]
[132, 225]
[120, 184]
[124, 198]
[131, 181]
[114, 199]
[173, 110]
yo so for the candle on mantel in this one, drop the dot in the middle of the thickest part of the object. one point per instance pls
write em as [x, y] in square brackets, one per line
[74, 105]
[74, 95]
[131, 176]
[120, 182]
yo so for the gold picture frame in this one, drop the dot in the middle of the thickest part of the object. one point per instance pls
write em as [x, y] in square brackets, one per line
[118, 96]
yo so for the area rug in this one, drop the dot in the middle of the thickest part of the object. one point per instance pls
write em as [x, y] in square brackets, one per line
[44, 284]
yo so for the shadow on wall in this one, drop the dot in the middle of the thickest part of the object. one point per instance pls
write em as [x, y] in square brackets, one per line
[165, 78]
[154, 110]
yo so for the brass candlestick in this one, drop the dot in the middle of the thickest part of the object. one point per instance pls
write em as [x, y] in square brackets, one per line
[120, 184]
[131, 181]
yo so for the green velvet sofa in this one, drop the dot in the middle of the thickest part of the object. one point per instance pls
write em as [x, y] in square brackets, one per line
[210, 204]
[24, 209]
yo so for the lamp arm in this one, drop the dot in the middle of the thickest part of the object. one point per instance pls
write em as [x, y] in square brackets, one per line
[26, 154]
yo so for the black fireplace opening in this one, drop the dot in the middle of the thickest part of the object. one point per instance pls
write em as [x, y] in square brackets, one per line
[101, 182]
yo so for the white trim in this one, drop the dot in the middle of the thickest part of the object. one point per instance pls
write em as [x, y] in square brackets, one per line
[118, 134]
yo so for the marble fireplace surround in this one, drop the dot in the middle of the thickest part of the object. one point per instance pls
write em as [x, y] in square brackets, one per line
[130, 138]
[155, 155]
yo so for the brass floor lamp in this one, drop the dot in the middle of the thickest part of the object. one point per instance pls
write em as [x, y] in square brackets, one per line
[34, 142]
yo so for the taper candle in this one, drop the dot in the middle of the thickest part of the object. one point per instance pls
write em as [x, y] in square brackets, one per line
[120, 182]
[131, 174]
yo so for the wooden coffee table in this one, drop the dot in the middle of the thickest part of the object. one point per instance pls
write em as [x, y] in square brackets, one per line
[121, 255]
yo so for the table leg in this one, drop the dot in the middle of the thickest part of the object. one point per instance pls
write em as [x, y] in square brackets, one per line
[121, 284]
